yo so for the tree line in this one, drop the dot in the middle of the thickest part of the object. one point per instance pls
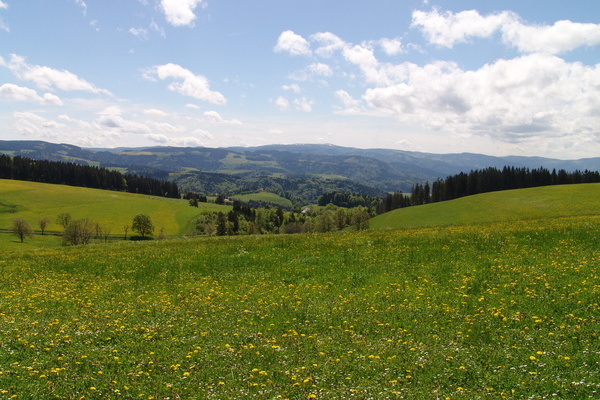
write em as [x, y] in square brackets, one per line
[72, 174]
[463, 184]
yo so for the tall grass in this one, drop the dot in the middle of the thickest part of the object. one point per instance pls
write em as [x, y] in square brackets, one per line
[504, 310]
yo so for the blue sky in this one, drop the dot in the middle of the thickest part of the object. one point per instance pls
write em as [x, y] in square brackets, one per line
[493, 77]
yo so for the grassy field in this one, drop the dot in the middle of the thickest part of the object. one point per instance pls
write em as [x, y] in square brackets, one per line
[488, 311]
[267, 197]
[510, 205]
[32, 201]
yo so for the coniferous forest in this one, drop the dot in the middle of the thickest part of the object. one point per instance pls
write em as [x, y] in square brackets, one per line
[72, 174]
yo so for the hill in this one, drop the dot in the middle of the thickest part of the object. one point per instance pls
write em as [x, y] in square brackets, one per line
[509, 205]
[234, 170]
[32, 201]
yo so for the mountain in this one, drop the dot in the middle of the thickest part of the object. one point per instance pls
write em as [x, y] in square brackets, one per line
[287, 169]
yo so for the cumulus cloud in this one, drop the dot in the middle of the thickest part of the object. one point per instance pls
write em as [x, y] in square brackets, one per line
[561, 37]
[282, 103]
[391, 47]
[13, 92]
[187, 83]
[448, 28]
[320, 69]
[303, 104]
[509, 99]
[30, 124]
[47, 78]
[180, 12]
[292, 43]
[215, 117]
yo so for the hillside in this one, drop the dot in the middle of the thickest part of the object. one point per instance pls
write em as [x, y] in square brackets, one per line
[32, 201]
[509, 205]
[237, 169]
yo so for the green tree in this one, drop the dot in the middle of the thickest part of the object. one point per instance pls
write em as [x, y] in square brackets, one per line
[142, 224]
[21, 228]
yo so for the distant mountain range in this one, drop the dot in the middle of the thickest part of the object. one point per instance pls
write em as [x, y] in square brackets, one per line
[238, 169]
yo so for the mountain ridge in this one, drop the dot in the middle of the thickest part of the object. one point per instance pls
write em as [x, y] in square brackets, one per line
[383, 170]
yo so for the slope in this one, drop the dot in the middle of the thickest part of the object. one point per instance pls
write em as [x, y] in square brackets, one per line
[114, 210]
[510, 205]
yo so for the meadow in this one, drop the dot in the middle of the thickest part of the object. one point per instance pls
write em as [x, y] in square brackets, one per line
[503, 310]
[113, 210]
[508, 205]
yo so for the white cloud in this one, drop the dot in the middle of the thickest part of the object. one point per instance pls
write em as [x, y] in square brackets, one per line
[561, 37]
[391, 47]
[294, 87]
[122, 125]
[156, 28]
[3, 25]
[81, 4]
[282, 103]
[186, 141]
[509, 99]
[155, 112]
[320, 69]
[351, 105]
[215, 117]
[180, 12]
[30, 124]
[187, 84]
[329, 43]
[303, 104]
[13, 92]
[139, 33]
[192, 106]
[47, 78]
[292, 43]
[447, 29]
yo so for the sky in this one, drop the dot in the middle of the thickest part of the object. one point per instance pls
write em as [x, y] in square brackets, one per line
[497, 77]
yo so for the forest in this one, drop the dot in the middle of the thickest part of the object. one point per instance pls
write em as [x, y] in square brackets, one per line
[72, 174]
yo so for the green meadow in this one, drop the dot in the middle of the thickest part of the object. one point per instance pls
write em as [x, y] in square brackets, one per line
[266, 197]
[489, 310]
[32, 201]
[509, 205]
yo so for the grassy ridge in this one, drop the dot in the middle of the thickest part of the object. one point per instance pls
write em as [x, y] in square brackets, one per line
[504, 310]
[31, 201]
[266, 197]
[510, 205]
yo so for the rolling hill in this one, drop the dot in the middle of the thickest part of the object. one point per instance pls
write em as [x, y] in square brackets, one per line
[236, 170]
[32, 201]
[504, 206]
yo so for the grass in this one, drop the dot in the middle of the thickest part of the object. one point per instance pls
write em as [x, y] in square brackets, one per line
[266, 197]
[488, 311]
[32, 201]
[510, 205]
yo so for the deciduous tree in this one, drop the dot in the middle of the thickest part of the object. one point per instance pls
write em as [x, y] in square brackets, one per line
[142, 224]
[21, 228]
